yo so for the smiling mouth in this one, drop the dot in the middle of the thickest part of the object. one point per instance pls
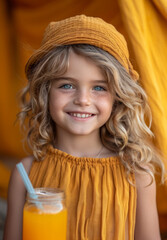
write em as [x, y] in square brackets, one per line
[81, 115]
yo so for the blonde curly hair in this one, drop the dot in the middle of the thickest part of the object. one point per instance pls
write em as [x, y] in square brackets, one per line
[125, 133]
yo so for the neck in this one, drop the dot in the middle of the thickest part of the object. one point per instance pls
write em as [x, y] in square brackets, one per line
[80, 146]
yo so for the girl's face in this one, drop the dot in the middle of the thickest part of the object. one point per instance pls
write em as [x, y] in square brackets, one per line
[80, 101]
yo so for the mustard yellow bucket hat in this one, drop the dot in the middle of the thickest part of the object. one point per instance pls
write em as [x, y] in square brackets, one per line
[81, 29]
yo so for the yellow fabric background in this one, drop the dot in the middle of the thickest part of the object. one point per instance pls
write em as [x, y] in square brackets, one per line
[22, 23]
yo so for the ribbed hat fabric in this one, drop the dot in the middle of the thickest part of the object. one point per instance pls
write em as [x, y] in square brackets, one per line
[81, 29]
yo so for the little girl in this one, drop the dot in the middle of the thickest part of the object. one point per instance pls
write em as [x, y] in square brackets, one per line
[88, 134]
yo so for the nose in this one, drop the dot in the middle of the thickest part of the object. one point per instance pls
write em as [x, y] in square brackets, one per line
[82, 98]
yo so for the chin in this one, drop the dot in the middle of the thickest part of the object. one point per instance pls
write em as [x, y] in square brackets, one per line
[81, 133]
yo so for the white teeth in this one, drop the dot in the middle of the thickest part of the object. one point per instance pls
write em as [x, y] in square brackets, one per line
[79, 115]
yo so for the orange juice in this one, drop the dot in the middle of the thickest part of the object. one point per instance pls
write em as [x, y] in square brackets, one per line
[44, 222]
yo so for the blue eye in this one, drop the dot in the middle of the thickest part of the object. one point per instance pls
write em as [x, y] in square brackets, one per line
[99, 88]
[67, 86]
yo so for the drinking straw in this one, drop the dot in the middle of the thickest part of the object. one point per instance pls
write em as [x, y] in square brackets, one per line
[26, 180]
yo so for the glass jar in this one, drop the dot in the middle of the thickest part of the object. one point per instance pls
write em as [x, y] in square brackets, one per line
[45, 215]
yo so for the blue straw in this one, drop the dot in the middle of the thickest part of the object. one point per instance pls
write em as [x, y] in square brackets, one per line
[26, 181]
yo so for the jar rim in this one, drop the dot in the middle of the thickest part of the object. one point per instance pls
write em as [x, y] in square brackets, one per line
[46, 194]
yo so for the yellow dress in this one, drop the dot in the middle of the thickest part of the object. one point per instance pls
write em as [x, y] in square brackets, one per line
[101, 203]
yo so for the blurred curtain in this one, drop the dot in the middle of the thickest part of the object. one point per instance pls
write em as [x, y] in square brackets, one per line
[22, 22]
[146, 25]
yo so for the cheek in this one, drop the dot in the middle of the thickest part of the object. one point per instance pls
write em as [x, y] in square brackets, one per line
[53, 105]
[105, 105]
[57, 103]
[54, 100]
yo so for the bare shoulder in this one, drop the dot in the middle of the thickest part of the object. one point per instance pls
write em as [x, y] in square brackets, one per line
[27, 162]
[147, 225]
[15, 201]
[143, 179]
[16, 183]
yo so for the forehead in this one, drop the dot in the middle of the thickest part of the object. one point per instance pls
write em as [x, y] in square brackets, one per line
[83, 66]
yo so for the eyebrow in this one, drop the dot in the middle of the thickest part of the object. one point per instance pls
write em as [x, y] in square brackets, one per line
[74, 79]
